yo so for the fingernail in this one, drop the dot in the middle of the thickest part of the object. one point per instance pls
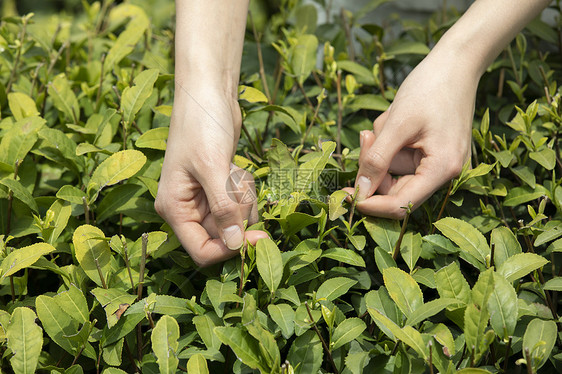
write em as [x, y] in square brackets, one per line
[361, 137]
[364, 185]
[233, 237]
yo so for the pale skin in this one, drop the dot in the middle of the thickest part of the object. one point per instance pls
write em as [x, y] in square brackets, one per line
[424, 136]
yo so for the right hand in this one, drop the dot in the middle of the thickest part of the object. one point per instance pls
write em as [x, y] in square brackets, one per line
[192, 193]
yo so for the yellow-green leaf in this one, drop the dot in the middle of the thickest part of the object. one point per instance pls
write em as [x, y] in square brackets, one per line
[25, 340]
[120, 166]
[90, 246]
[403, 289]
[165, 345]
[23, 258]
[154, 139]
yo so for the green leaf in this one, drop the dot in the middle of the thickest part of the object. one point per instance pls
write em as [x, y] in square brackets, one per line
[284, 316]
[407, 47]
[503, 307]
[550, 233]
[269, 263]
[56, 323]
[385, 232]
[306, 352]
[310, 170]
[346, 256]
[482, 289]
[335, 205]
[73, 303]
[251, 94]
[383, 259]
[20, 193]
[520, 195]
[403, 289]
[429, 309]
[347, 331]
[61, 210]
[451, 283]
[539, 338]
[369, 102]
[71, 194]
[217, 291]
[133, 98]
[408, 335]
[363, 75]
[546, 157]
[89, 247]
[443, 336]
[205, 325]
[23, 258]
[521, 264]
[244, 346]
[197, 364]
[25, 340]
[506, 245]
[467, 237]
[111, 300]
[334, 288]
[127, 40]
[303, 59]
[21, 105]
[554, 284]
[63, 98]
[410, 249]
[153, 139]
[119, 166]
[475, 322]
[164, 339]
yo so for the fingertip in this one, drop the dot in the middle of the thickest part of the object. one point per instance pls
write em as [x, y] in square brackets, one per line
[252, 236]
[350, 191]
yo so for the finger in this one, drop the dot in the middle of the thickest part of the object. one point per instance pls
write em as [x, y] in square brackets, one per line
[202, 249]
[218, 187]
[375, 162]
[405, 162]
[244, 184]
[411, 188]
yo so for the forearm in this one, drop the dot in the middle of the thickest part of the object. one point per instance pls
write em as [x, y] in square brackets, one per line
[483, 31]
[209, 41]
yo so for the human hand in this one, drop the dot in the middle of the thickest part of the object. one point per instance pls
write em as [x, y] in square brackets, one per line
[424, 137]
[193, 190]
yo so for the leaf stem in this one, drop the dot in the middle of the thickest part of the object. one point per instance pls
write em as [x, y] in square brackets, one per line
[260, 59]
[402, 231]
[104, 285]
[528, 359]
[340, 111]
[330, 358]
[506, 357]
[142, 265]
[127, 264]
[443, 205]
[430, 358]
[86, 210]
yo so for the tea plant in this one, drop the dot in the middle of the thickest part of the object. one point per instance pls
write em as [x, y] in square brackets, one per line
[92, 279]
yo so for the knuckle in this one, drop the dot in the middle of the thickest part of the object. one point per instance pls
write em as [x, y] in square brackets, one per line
[375, 161]
[222, 207]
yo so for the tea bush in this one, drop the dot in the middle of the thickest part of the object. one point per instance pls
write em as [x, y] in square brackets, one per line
[92, 279]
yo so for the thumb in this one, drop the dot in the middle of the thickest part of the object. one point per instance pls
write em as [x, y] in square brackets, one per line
[220, 191]
[374, 161]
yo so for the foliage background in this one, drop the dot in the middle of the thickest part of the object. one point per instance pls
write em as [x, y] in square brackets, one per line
[92, 280]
